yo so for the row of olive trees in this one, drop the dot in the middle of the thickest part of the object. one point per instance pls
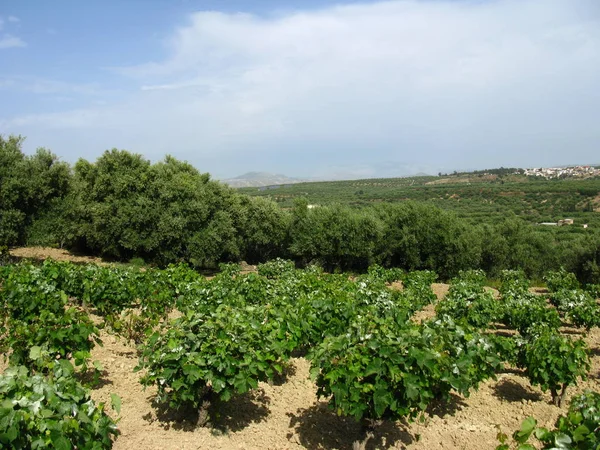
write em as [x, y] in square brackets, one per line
[122, 206]
[417, 236]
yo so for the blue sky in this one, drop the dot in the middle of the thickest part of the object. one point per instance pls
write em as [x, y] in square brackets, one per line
[307, 88]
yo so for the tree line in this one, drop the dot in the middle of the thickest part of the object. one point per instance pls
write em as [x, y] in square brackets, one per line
[122, 206]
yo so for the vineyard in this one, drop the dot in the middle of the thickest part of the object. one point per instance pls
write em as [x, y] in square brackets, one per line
[102, 356]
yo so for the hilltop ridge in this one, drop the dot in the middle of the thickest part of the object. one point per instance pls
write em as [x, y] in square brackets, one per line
[258, 179]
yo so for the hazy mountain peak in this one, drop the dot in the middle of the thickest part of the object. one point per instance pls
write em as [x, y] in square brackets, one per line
[258, 175]
[257, 179]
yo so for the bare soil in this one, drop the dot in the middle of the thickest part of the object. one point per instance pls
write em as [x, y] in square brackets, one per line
[56, 254]
[596, 203]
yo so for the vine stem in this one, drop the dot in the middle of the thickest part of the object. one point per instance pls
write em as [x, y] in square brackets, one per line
[204, 409]
[368, 430]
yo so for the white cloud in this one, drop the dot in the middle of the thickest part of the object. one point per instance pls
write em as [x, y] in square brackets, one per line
[8, 41]
[439, 84]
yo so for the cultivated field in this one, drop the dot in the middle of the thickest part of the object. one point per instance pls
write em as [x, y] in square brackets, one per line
[256, 337]
[288, 416]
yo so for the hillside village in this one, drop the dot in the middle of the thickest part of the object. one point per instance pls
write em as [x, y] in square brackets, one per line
[564, 172]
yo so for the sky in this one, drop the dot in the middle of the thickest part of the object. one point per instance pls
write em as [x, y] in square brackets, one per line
[306, 88]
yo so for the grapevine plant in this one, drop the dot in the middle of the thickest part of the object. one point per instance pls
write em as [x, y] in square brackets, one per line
[561, 279]
[554, 362]
[468, 300]
[391, 368]
[579, 429]
[47, 321]
[578, 307]
[205, 357]
[39, 411]
[513, 283]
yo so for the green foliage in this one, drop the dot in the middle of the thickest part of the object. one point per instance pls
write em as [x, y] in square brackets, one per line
[237, 330]
[577, 430]
[262, 228]
[593, 290]
[468, 300]
[226, 352]
[386, 275]
[574, 304]
[67, 277]
[578, 307]
[472, 277]
[51, 411]
[523, 312]
[336, 236]
[242, 328]
[587, 264]
[561, 279]
[28, 187]
[326, 304]
[421, 236]
[46, 321]
[554, 362]
[137, 262]
[25, 282]
[514, 244]
[109, 289]
[508, 348]
[391, 368]
[67, 334]
[132, 301]
[166, 212]
[276, 268]
[417, 292]
[514, 283]
[122, 206]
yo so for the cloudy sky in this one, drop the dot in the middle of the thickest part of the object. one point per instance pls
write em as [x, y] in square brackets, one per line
[307, 87]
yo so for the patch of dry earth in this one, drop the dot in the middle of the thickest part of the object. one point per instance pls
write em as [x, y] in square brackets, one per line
[56, 254]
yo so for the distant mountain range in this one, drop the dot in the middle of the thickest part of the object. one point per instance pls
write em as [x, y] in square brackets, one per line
[257, 179]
